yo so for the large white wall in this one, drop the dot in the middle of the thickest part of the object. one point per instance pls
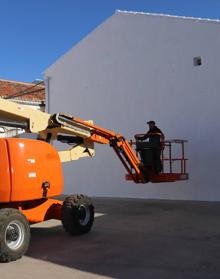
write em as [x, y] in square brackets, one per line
[136, 67]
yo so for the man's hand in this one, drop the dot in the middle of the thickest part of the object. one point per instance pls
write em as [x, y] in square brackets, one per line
[138, 136]
[162, 145]
[141, 136]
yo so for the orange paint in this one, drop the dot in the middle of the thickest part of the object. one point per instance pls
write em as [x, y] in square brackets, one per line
[5, 180]
[24, 166]
[49, 209]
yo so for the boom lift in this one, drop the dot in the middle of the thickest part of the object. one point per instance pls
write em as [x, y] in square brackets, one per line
[31, 173]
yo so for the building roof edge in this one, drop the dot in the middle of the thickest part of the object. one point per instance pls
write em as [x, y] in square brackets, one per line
[169, 16]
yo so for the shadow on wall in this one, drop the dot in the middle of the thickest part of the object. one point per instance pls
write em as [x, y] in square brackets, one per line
[138, 238]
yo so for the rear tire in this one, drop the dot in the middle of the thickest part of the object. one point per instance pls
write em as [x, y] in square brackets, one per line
[77, 214]
[14, 234]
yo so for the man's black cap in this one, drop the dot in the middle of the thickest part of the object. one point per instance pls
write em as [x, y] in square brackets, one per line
[151, 122]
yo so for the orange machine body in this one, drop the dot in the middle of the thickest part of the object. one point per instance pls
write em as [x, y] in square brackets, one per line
[29, 170]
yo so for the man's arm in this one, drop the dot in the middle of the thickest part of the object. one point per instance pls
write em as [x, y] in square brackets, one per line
[142, 137]
[162, 139]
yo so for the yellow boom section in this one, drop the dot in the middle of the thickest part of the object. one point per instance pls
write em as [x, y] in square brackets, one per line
[45, 125]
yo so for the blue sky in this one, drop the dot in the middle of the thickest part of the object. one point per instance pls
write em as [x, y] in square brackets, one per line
[35, 33]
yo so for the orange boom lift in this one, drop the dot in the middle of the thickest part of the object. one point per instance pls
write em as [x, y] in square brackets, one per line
[31, 172]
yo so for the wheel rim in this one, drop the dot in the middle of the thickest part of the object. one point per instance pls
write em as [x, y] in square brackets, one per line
[14, 235]
[84, 214]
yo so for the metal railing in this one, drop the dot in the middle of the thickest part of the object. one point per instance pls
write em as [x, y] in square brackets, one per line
[170, 159]
[167, 156]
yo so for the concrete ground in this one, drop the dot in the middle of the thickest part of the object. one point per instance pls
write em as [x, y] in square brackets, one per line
[130, 239]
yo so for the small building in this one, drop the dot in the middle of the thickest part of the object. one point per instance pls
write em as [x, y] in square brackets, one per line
[136, 67]
[27, 94]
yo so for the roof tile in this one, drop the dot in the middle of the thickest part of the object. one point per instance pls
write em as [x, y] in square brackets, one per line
[22, 91]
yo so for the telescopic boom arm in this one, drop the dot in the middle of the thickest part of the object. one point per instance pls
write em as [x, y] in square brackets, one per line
[100, 135]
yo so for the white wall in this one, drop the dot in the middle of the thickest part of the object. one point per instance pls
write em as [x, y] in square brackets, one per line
[133, 68]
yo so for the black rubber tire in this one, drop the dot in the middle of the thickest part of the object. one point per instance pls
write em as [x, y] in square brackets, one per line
[13, 224]
[77, 214]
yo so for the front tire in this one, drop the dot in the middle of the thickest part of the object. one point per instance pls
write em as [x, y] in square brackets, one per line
[14, 234]
[77, 214]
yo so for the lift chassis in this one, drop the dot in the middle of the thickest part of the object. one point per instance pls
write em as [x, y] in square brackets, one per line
[31, 173]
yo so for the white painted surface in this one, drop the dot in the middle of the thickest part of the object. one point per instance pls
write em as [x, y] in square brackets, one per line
[138, 67]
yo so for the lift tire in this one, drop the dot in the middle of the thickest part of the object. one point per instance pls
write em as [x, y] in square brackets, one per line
[14, 234]
[77, 214]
